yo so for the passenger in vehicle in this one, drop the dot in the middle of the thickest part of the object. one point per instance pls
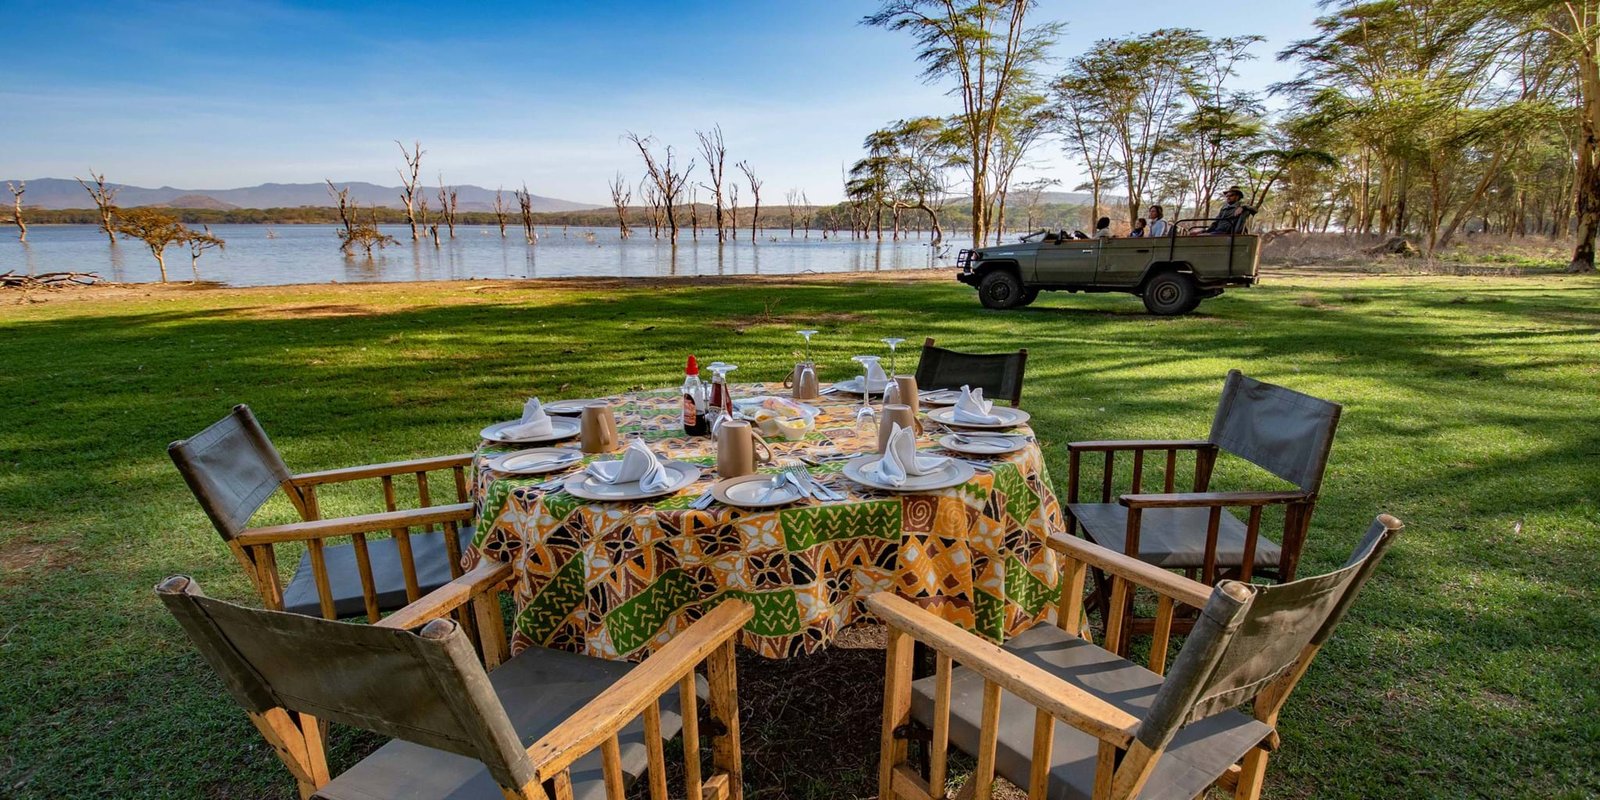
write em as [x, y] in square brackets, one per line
[1157, 226]
[1233, 215]
[1138, 229]
[1102, 228]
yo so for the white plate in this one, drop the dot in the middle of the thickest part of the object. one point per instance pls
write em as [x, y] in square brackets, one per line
[560, 428]
[750, 491]
[536, 461]
[954, 473]
[569, 408]
[587, 487]
[940, 397]
[1009, 418]
[853, 386]
[983, 444]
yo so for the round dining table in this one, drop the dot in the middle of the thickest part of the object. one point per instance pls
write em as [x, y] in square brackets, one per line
[619, 579]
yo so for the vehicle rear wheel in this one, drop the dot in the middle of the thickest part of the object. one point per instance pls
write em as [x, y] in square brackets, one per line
[1000, 289]
[1170, 294]
[1028, 296]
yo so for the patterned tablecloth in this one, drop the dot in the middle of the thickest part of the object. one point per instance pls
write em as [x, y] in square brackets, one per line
[617, 580]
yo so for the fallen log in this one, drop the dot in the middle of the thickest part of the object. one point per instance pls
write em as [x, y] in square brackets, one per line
[48, 280]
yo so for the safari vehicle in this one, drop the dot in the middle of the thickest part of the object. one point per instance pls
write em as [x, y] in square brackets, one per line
[1173, 273]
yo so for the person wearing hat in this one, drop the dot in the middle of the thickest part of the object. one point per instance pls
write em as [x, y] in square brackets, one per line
[1232, 216]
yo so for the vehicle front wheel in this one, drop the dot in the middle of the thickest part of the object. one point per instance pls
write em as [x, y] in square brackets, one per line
[1170, 294]
[1000, 289]
[1028, 296]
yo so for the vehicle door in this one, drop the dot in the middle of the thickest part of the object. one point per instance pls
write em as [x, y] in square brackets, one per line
[1123, 261]
[1069, 261]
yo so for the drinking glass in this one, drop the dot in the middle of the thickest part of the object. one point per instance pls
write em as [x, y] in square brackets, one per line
[893, 343]
[808, 335]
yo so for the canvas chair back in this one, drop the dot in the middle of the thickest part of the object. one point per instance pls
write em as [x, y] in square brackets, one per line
[232, 468]
[998, 374]
[425, 687]
[1248, 636]
[1279, 430]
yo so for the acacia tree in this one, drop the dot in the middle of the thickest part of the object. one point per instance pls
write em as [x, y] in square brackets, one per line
[356, 233]
[157, 229]
[715, 153]
[410, 179]
[105, 199]
[668, 180]
[1576, 25]
[500, 210]
[16, 208]
[621, 194]
[199, 242]
[990, 52]
[755, 192]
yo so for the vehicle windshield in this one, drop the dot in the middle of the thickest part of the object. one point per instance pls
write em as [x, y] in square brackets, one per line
[1036, 234]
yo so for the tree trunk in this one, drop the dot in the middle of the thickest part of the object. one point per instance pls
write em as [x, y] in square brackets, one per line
[1588, 173]
[161, 261]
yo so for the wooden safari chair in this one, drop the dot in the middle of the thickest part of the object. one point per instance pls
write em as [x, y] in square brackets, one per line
[1284, 432]
[1064, 718]
[233, 470]
[529, 729]
[998, 374]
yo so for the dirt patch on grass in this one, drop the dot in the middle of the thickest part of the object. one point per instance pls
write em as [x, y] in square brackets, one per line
[823, 318]
[20, 556]
[314, 311]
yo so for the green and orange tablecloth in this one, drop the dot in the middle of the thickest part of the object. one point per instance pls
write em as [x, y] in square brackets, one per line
[617, 580]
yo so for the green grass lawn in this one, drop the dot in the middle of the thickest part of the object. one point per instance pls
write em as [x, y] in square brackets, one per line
[1470, 667]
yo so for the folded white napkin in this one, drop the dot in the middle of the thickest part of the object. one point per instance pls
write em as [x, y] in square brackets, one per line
[900, 459]
[637, 464]
[875, 377]
[974, 409]
[534, 422]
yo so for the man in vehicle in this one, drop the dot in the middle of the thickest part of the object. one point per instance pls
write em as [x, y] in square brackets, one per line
[1232, 216]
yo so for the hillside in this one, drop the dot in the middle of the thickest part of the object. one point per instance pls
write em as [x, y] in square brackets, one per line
[59, 193]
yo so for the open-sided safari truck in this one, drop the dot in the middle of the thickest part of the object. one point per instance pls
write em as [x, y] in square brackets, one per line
[1173, 273]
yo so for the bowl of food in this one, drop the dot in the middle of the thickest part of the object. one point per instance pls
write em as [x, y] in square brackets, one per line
[778, 416]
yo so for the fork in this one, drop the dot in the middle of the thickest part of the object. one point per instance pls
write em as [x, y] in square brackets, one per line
[810, 484]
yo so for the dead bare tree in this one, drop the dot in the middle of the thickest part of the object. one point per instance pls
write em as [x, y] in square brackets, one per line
[500, 210]
[16, 208]
[694, 212]
[105, 199]
[447, 205]
[342, 197]
[755, 190]
[669, 182]
[790, 198]
[652, 199]
[409, 183]
[620, 195]
[525, 205]
[715, 153]
[733, 210]
[805, 203]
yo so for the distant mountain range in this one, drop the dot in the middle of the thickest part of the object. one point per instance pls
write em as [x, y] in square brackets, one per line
[57, 193]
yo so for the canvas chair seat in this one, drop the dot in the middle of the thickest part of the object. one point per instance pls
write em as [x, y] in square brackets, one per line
[431, 554]
[1197, 754]
[1174, 538]
[539, 689]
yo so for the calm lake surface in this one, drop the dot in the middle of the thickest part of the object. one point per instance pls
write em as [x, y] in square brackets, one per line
[260, 255]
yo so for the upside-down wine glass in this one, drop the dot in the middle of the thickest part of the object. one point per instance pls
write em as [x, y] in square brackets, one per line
[808, 335]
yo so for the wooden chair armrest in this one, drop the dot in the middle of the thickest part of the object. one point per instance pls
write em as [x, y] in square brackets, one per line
[1141, 444]
[441, 601]
[1206, 499]
[624, 700]
[1039, 688]
[380, 470]
[1186, 591]
[364, 523]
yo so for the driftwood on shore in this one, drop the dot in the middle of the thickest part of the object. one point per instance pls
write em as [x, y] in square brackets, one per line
[48, 280]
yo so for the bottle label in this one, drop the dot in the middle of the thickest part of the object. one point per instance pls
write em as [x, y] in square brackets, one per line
[688, 411]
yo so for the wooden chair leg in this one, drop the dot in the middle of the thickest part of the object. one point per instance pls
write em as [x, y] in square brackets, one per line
[893, 751]
[1252, 775]
[725, 754]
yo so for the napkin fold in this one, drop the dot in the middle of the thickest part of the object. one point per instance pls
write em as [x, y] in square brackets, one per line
[535, 422]
[875, 378]
[974, 409]
[900, 459]
[637, 464]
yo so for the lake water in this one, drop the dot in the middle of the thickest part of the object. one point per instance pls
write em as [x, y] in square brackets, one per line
[310, 254]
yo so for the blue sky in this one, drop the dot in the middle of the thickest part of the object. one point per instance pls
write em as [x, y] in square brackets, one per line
[230, 93]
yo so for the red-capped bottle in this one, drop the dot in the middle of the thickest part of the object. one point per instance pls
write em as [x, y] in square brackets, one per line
[694, 418]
